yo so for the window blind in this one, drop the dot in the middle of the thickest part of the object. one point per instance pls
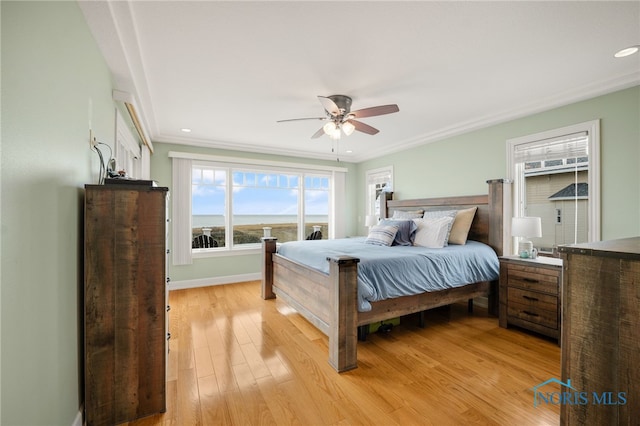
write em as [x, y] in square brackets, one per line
[568, 146]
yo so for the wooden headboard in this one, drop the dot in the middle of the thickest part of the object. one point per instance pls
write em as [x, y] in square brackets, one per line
[489, 221]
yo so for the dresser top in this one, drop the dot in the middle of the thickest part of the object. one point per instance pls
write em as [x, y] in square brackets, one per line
[628, 248]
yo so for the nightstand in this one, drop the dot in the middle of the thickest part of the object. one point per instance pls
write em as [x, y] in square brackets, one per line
[530, 294]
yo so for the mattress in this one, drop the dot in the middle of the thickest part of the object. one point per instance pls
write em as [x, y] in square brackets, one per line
[389, 272]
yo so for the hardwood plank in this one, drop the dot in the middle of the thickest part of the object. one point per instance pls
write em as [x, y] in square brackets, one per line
[204, 366]
[460, 369]
[212, 404]
[188, 402]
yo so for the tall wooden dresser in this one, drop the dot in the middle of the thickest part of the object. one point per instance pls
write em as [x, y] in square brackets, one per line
[601, 332]
[125, 302]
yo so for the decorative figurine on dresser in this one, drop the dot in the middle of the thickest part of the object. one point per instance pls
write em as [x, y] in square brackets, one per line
[529, 294]
[125, 302]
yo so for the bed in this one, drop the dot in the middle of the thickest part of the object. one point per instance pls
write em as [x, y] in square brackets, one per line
[328, 297]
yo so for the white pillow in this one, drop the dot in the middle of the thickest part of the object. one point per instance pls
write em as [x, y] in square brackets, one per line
[403, 214]
[434, 214]
[381, 235]
[432, 232]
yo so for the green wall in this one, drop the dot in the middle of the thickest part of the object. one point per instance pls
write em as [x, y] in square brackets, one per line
[226, 266]
[52, 71]
[460, 165]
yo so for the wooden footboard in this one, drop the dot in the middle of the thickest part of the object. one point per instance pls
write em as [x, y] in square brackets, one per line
[329, 301]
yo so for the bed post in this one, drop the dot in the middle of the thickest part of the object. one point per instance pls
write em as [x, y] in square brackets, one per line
[500, 215]
[384, 209]
[343, 323]
[500, 212]
[268, 248]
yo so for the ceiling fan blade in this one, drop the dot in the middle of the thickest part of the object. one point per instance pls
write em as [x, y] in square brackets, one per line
[317, 134]
[329, 105]
[364, 128]
[378, 110]
[299, 119]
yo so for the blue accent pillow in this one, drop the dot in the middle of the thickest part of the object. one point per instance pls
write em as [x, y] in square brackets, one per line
[406, 231]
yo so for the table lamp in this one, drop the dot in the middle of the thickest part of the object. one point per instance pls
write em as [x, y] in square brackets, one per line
[526, 227]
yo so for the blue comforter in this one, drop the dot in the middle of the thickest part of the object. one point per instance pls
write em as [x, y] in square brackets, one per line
[388, 272]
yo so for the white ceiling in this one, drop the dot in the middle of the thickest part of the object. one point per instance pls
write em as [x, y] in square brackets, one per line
[230, 70]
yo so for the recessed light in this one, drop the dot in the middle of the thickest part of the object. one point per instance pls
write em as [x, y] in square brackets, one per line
[349, 151]
[627, 51]
[186, 130]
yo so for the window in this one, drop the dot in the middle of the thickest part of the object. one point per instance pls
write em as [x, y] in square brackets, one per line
[209, 202]
[127, 149]
[221, 205]
[254, 199]
[316, 204]
[556, 178]
[378, 181]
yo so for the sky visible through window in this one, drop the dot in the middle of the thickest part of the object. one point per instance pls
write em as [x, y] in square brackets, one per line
[267, 193]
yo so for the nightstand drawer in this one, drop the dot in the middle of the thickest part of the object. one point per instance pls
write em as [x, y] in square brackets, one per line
[532, 278]
[534, 307]
[533, 302]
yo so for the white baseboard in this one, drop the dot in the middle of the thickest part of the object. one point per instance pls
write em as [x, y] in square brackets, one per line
[78, 420]
[204, 282]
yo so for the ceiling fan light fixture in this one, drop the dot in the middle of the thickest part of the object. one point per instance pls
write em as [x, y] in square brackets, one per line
[348, 128]
[329, 128]
[332, 129]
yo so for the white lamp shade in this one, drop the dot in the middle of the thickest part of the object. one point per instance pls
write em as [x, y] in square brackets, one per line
[329, 128]
[348, 128]
[332, 130]
[370, 220]
[528, 227]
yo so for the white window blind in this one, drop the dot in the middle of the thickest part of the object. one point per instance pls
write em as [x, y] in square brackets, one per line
[567, 146]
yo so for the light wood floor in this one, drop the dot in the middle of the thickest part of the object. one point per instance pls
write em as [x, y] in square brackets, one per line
[239, 360]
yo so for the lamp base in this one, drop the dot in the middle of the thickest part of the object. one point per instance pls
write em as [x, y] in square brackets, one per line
[525, 248]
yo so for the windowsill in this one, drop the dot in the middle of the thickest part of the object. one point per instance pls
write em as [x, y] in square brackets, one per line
[222, 252]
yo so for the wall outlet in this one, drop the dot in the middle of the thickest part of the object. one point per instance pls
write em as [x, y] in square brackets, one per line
[92, 139]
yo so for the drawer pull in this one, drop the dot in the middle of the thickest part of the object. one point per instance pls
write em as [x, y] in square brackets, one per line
[533, 299]
[533, 314]
[530, 280]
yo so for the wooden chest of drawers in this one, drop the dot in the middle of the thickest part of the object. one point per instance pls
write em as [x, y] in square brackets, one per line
[601, 331]
[530, 294]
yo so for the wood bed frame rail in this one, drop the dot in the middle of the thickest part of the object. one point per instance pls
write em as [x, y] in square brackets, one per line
[329, 301]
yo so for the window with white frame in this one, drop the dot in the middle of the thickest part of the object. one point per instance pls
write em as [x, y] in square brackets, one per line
[128, 154]
[556, 177]
[232, 202]
[378, 181]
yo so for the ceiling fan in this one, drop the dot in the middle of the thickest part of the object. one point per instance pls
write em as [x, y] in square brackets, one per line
[341, 118]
